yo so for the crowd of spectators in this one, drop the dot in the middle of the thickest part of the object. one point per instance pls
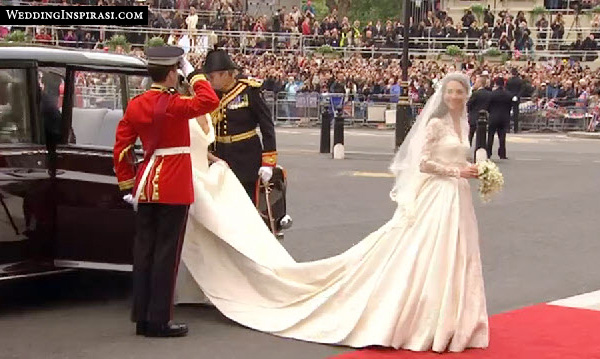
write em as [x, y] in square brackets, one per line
[364, 77]
[291, 28]
[356, 76]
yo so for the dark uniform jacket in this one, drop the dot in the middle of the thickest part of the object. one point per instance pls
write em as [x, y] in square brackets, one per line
[241, 110]
[500, 106]
[480, 100]
[514, 85]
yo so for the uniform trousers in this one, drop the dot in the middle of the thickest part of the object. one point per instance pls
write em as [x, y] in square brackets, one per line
[157, 248]
[250, 188]
[501, 128]
[472, 131]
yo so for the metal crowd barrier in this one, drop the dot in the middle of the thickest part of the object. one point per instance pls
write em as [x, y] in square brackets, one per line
[540, 115]
[307, 108]
[535, 115]
[357, 109]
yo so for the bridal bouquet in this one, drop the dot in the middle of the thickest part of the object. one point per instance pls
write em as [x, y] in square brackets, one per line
[491, 180]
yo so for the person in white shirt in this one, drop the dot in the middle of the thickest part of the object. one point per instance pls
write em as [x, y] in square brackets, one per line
[192, 22]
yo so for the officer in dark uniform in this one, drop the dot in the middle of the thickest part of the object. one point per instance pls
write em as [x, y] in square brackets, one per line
[479, 100]
[242, 109]
[499, 120]
[162, 188]
[515, 86]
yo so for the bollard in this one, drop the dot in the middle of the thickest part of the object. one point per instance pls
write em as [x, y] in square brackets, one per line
[403, 121]
[481, 134]
[326, 116]
[515, 114]
[338, 136]
[403, 111]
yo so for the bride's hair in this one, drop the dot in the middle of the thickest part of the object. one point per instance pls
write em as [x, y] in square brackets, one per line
[459, 77]
[405, 165]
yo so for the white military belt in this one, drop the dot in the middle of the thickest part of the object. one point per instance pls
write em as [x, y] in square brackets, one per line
[170, 151]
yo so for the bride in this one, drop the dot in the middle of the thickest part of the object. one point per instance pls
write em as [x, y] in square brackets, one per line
[415, 283]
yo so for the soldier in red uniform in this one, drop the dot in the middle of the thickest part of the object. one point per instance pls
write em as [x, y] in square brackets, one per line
[162, 187]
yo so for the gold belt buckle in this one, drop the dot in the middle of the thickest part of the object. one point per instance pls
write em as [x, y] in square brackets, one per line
[224, 139]
[236, 138]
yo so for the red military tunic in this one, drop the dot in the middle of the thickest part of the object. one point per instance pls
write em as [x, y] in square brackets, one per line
[169, 180]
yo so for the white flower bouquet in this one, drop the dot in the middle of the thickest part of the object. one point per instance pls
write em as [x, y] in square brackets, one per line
[491, 180]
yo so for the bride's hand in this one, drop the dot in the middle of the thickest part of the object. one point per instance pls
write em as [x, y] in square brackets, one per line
[470, 171]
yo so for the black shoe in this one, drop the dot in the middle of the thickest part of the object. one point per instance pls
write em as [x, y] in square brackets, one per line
[504, 158]
[166, 330]
[140, 328]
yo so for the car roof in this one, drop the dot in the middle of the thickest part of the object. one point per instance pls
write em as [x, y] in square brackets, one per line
[71, 57]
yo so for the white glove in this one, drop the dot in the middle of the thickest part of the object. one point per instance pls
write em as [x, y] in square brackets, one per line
[515, 99]
[265, 173]
[128, 198]
[185, 66]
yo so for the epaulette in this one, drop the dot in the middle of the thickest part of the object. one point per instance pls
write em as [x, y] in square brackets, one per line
[252, 82]
[169, 90]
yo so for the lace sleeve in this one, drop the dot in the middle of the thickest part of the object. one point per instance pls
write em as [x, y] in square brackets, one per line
[434, 131]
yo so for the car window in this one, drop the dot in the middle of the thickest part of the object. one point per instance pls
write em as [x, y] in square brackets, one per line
[15, 124]
[51, 81]
[138, 85]
[97, 108]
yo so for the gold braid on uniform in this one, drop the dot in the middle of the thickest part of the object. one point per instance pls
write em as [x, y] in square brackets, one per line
[219, 116]
[269, 159]
[127, 184]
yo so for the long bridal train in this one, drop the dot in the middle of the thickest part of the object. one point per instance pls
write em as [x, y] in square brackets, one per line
[414, 286]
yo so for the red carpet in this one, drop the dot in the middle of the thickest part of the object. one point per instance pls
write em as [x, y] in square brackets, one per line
[538, 332]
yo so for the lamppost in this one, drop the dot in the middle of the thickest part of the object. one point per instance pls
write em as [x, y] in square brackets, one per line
[403, 111]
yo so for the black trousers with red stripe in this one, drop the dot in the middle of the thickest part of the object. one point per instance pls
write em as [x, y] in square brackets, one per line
[156, 254]
[250, 188]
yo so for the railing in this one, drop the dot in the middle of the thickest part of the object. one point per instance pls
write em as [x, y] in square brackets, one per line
[380, 110]
[306, 109]
[202, 14]
[548, 115]
[246, 42]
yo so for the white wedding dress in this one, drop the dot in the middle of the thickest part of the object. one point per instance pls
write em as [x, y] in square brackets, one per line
[414, 284]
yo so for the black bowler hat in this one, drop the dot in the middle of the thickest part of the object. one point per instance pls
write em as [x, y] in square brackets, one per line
[218, 60]
[164, 55]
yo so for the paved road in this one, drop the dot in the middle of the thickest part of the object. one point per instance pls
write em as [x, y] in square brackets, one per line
[539, 242]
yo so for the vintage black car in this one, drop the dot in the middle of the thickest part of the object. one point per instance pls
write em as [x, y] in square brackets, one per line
[60, 205]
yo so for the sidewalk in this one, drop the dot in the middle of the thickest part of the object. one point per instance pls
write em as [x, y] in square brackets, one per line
[581, 134]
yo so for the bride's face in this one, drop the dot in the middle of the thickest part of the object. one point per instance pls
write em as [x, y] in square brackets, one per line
[455, 96]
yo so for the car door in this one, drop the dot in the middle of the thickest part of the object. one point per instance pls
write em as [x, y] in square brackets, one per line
[95, 227]
[27, 201]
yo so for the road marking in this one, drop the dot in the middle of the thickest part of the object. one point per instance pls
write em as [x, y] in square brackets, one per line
[316, 152]
[373, 174]
[589, 300]
[296, 151]
[370, 153]
[346, 133]
[522, 140]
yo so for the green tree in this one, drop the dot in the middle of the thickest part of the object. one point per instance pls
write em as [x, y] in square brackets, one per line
[321, 9]
[363, 10]
[373, 10]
